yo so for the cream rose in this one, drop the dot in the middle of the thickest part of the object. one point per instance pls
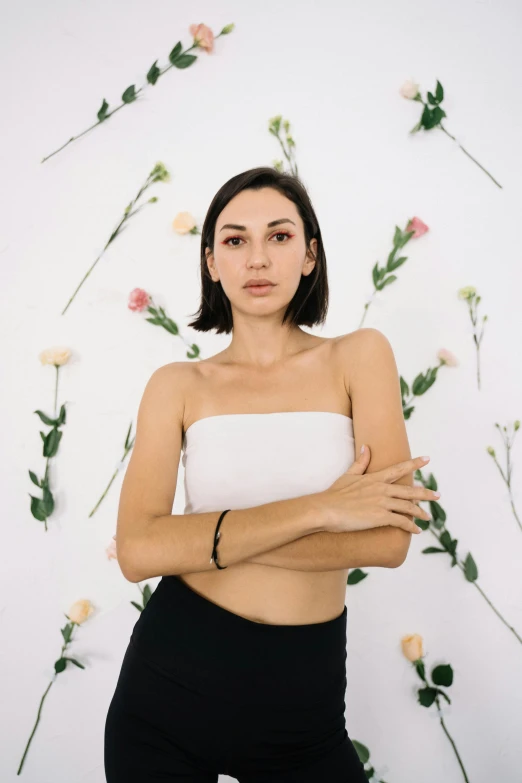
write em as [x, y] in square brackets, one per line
[56, 356]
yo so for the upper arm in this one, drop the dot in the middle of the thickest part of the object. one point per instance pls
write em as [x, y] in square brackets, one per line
[150, 480]
[378, 418]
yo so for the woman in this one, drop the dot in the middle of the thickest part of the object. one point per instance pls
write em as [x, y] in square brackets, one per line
[244, 673]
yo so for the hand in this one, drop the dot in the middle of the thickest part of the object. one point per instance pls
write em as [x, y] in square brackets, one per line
[358, 502]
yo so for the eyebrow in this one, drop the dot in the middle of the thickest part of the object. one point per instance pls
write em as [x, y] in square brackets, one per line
[236, 227]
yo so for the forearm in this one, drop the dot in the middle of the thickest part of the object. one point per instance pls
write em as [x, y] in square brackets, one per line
[182, 543]
[325, 551]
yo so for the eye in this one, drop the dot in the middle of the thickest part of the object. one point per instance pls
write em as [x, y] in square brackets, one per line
[278, 233]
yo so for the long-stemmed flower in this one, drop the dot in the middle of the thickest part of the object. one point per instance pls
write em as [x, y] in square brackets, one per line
[79, 612]
[42, 508]
[415, 228]
[140, 300]
[127, 446]
[441, 677]
[203, 38]
[274, 127]
[448, 545]
[469, 294]
[508, 444]
[432, 115]
[158, 174]
[424, 380]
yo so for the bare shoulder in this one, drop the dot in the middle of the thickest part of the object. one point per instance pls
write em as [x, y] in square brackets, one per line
[362, 345]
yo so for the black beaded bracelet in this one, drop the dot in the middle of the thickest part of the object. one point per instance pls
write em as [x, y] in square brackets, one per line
[216, 541]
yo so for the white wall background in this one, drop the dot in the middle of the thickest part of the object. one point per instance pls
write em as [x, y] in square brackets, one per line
[333, 70]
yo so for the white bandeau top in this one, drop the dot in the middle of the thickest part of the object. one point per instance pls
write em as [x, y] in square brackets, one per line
[240, 460]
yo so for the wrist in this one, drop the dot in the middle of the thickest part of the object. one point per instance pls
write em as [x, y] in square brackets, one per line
[318, 520]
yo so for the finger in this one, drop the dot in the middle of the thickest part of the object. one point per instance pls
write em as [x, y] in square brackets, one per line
[400, 469]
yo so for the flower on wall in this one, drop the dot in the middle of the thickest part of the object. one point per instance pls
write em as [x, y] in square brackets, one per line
[274, 127]
[424, 380]
[203, 38]
[79, 612]
[469, 295]
[415, 228]
[140, 300]
[42, 508]
[433, 115]
[184, 223]
[431, 693]
[158, 174]
[508, 443]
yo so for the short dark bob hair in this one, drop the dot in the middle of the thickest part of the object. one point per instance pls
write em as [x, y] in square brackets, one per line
[309, 304]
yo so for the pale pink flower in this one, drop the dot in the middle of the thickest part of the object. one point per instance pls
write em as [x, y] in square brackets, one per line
[111, 550]
[80, 611]
[139, 299]
[417, 226]
[203, 36]
[447, 357]
[409, 89]
[412, 646]
[183, 223]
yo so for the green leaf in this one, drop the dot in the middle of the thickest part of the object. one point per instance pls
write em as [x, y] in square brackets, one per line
[426, 696]
[138, 607]
[439, 92]
[355, 576]
[146, 594]
[76, 663]
[129, 95]
[442, 675]
[470, 568]
[405, 389]
[155, 321]
[46, 419]
[60, 665]
[34, 478]
[102, 112]
[51, 443]
[430, 550]
[173, 56]
[153, 73]
[362, 751]
[390, 279]
[395, 264]
[184, 60]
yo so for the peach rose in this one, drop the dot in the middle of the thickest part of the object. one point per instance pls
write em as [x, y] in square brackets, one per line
[409, 89]
[183, 223]
[447, 357]
[56, 356]
[412, 647]
[139, 299]
[203, 36]
[80, 611]
[417, 226]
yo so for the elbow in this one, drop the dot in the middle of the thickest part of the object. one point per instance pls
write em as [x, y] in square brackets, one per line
[126, 561]
[400, 549]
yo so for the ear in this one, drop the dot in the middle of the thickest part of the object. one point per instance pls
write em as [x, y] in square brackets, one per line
[210, 261]
[310, 260]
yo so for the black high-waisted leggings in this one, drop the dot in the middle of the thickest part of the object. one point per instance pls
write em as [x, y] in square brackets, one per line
[204, 691]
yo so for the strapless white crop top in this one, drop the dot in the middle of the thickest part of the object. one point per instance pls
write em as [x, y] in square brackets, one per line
[240, 460]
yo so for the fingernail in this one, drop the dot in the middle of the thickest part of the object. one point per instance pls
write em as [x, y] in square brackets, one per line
[362, 449]
[425, 459]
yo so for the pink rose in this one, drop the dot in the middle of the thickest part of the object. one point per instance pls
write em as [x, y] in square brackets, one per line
[111, 550]
[447, 357]
[138, 300]
[203, 36]
[417, 226]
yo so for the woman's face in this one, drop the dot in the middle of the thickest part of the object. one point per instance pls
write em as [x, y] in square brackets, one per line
[260, 234]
